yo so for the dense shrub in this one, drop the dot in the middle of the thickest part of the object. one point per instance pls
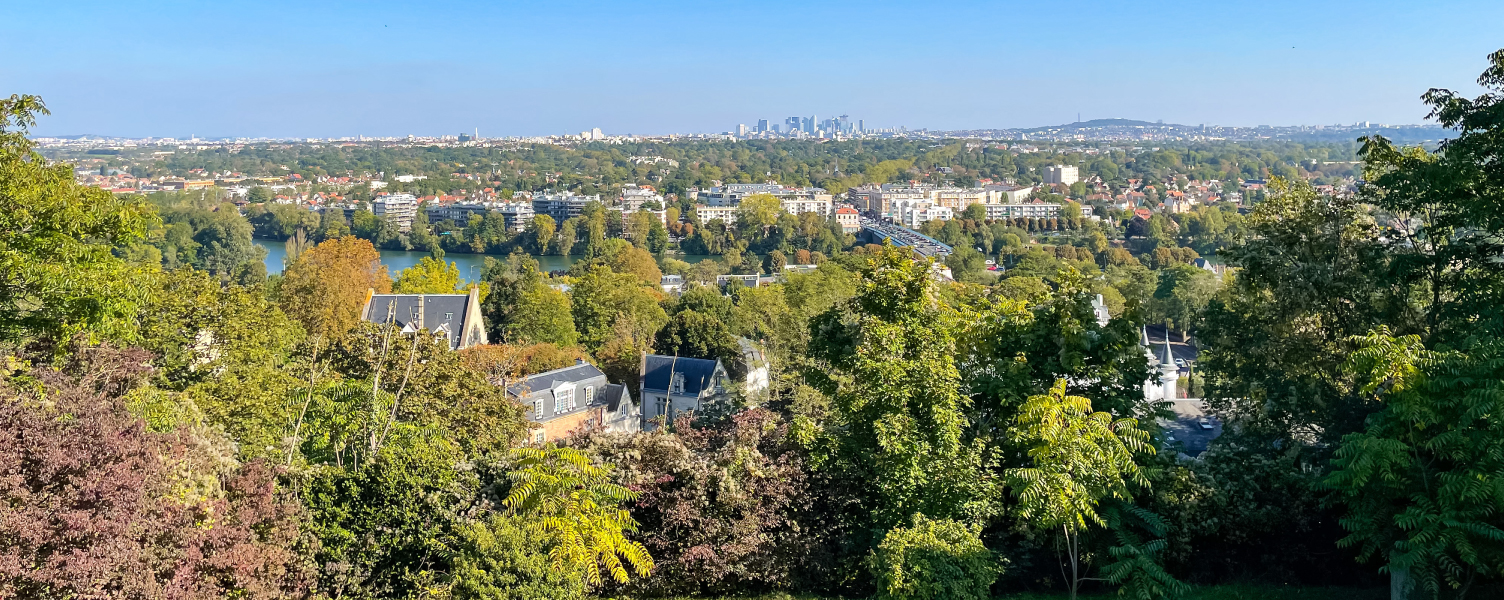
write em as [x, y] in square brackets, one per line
[933, 560]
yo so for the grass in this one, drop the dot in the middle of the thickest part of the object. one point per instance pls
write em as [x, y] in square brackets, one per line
[1242, 592]
[1215, 592]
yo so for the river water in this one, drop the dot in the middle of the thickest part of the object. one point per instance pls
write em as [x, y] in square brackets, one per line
[470, 264]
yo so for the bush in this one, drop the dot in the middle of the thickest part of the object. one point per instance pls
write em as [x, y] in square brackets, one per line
[502, 561]
[933, 560]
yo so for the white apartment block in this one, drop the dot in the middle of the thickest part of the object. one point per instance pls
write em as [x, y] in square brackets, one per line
[912, 213]
[800, 205]
[397, 208]
[1040, 210]
[706, 214]
[1060, 174]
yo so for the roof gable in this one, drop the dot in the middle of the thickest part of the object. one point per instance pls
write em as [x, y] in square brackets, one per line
[698, 373]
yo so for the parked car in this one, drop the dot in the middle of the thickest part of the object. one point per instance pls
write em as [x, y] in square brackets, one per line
[1205, 423]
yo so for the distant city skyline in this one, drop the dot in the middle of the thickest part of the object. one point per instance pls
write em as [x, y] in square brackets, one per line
[340, 69]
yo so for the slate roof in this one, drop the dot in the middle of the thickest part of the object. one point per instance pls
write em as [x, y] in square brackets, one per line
[438, 310]
[698, 373]
[548, 379]
[611, 396]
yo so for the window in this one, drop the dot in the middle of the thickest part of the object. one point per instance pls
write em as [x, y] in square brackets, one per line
[564, 400]
[589, 395]
[449, 317]
[538, 408]
[662, 406]
[676, 385]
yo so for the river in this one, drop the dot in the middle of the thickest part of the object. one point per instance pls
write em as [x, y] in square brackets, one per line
[470, 264]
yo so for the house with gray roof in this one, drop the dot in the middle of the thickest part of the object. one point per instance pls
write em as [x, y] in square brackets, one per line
[673, 385]
[451, 316]
[454, 317]
[575, 398]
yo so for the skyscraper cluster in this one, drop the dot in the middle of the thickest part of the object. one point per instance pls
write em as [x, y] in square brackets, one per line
[811, 126]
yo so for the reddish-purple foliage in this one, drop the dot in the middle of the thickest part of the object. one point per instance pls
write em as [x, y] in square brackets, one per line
[98, 506]
[719, 505]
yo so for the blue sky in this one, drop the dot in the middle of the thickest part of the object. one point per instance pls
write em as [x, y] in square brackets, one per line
[322, 69]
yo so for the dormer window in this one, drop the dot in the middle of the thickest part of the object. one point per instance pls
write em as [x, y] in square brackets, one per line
[676, 384]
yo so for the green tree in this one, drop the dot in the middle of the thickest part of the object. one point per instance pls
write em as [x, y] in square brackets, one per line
[1422, 482]
[58, 276]
[886, 358]
[540, 233]
[601, 297]
[332, 224]
[430, 276]
[695, 335]
[572, 503]
[1077, 459]
[774, 262]
[542, 315]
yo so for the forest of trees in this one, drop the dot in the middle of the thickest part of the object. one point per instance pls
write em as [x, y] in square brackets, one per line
[180, 426]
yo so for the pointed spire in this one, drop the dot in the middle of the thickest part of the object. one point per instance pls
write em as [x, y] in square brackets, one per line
[1144, 329]
[1166, 357]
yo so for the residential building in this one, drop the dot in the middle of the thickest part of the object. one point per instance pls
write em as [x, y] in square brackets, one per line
[574, 398]
[801, 204]
[706, 214]
[455, 318]
[674, 385]
[397, 208]
[1061, 174]
[633, 197]
[793, 200]
[1008, 194]
[750, 281]
[957, 199]
[878, 200]
[755, 361]
[1031, 210]
[516, 215]
[912, 213]
[562, 206]
[849, 219]
[672, 284]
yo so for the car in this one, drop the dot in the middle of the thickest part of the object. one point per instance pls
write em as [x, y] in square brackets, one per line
[1180, 362]
[1206, 423]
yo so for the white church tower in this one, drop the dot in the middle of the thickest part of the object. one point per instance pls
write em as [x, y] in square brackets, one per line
[1169, 373]
[1162, 387]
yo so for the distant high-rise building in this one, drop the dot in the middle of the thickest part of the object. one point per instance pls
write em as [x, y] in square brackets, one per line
[595, 134]
[860, 126]
[762, 125]
[792, 124]
[809, 125]
[1060, 174]
[741, 130]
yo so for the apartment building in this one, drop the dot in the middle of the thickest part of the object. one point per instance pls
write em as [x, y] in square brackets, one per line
[1061, 174]
[562, 206]
[706, 214]
[1037, 210]
[397, 208]
[849, 218]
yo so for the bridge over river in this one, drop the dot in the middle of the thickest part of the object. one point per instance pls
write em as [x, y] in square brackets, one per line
[877, 232]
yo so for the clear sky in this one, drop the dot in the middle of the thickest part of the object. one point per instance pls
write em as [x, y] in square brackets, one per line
[318, 69]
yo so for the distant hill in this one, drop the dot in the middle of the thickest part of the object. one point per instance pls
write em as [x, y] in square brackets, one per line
[1108, 123]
